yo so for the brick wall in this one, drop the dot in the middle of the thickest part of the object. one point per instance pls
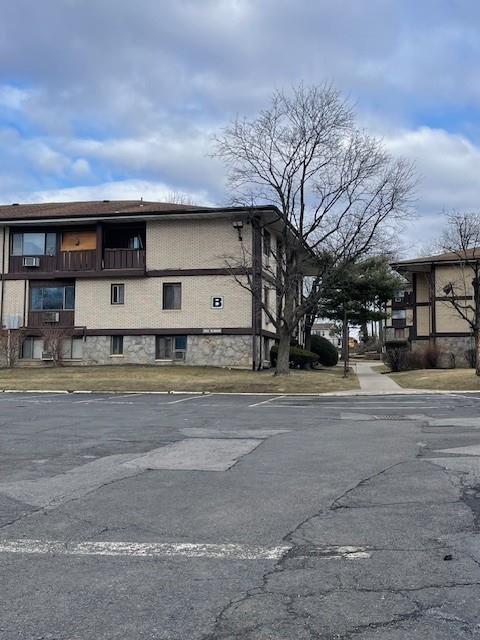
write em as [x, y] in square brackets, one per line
[143, 304]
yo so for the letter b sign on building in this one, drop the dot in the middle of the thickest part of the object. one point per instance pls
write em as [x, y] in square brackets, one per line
[217, 302]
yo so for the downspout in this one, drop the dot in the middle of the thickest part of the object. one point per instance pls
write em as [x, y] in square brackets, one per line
[2, 276]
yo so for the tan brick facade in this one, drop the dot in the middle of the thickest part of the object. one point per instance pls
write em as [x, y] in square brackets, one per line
[195, 244]
[143, 304]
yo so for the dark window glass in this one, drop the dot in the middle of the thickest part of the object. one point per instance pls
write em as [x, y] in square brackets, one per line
[17, 244]
[27, 348]
[163, 348]
[52, 298]
[69, 297]
[172, 296]
[181, 342]
[170, 347]
[116, 346]
[51, 244]
[117, 294]
[34, 244]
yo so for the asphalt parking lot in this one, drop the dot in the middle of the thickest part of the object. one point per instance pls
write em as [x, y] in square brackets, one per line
[239, 517]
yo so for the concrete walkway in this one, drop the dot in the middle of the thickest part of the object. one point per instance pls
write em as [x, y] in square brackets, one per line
[371, 380]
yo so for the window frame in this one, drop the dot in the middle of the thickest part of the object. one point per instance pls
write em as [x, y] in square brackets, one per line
[64, 307]
[120, 288]
[113, 340]
[164, 290]
[173, 349]
[46, 244]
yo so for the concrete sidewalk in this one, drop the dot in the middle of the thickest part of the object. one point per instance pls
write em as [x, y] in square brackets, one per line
[371, 380]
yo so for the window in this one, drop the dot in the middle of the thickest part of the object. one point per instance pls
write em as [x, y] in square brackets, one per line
[399, 296]
[34, 244]
[32, 348]
[170, 347]
[266, 302]
[399, 333]
[72, 348]
[399, 314]
[172, 296]
[117, 294]
[116, 346]
[52, 298]
[267, 243]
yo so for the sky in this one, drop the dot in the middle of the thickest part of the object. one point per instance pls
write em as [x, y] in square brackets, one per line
[119, 99]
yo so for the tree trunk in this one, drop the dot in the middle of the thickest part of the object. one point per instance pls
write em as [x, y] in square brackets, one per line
[345, 343]
[477, 351]
[283, 355]
[308, 337]
[364, 331]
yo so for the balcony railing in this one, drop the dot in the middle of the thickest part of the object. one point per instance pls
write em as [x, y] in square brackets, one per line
[63, 261]
[124, 258]
[75, 261]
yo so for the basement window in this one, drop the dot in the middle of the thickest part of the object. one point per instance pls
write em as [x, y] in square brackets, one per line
[116, 346]
[170, 347]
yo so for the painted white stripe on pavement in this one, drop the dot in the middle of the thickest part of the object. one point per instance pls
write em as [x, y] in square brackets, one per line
[257, 404]
[144, 549]
[204, 395]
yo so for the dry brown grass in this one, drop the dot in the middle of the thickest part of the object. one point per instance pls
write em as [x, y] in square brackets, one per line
[438, 379]
[174, 378]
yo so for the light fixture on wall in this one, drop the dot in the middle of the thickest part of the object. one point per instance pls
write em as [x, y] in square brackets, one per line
[238, 225]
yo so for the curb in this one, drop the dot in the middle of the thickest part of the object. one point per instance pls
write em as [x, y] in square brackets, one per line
[326, 394]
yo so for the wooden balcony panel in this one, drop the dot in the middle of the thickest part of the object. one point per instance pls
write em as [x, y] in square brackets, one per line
[64, 261]
[36, 319]
[124, 259]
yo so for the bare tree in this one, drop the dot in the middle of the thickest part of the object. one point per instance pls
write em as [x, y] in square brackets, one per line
[338, 193]
[10, 346]
[54, 340]
[462, 238]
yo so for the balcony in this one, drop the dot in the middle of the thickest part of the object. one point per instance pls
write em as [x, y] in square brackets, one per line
[41, 319]
[63, 262]
[123, 259]
[109, 247]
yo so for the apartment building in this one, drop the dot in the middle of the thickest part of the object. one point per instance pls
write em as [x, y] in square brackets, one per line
[421, 312]
[139, 282]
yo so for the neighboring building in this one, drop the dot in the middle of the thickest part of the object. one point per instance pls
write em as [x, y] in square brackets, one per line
[327, 330]
[421, 313]
[138, 282]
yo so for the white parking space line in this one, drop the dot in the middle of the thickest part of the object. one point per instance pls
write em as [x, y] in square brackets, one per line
[258, 404]
[144, 549]
[204, 395]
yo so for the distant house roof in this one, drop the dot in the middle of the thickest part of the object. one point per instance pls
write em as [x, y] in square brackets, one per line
[450, 256]
[108, 208]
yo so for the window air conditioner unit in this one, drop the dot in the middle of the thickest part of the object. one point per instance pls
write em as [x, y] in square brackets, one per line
[46, 355]
[31, 262]
[51, 316]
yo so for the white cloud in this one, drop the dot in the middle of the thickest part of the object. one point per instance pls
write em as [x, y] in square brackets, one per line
[115, 190]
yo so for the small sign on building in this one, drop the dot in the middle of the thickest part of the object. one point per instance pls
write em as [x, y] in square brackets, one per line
[217, 302]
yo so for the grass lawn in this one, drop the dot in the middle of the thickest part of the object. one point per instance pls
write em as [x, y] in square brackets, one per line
[174, 378]
[438, 379]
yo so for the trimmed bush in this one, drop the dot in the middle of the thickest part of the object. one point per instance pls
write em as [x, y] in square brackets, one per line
[299, 358]
[326, 352]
